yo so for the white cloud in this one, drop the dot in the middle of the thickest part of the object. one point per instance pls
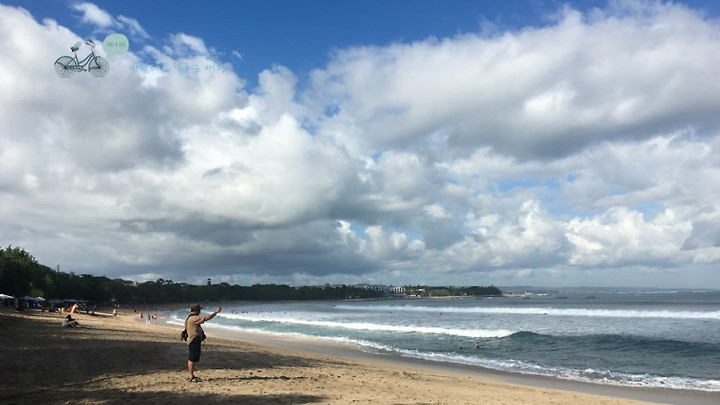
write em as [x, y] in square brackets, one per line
[94, 15]
[546, 154]
[623, 237]
[538, 93]
[133, 26]
[183, 43]
[104, 22]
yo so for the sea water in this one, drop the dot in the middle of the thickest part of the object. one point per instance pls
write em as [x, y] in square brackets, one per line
[669, 339]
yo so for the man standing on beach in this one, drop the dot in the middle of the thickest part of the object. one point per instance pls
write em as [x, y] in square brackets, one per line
[196, 336]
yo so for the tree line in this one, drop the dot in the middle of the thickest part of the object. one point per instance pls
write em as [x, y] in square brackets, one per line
[21, 275]
[474, 291]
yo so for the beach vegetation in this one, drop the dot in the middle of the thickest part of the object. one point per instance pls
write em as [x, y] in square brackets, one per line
[435, 291]
[22, 275]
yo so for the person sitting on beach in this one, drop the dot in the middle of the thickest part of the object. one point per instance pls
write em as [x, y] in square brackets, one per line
[195, 337]
[69, 322]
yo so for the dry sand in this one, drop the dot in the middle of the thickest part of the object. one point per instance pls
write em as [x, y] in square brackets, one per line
[117, 360]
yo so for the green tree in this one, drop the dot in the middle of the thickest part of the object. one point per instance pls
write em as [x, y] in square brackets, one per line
[20, 273]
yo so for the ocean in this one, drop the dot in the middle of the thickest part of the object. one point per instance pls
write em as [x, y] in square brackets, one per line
[669, 339]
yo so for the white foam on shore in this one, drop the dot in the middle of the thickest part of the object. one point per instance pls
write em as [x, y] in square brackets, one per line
[367, 326]
[603, 313]
[588, 375]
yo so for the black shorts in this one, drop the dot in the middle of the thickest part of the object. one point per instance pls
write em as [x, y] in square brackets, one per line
[194, 349]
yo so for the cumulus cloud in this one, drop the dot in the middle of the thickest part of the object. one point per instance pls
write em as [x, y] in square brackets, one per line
[183, 43]
[548, 153]
[92, 14]
[539, 93]
[624, 237]
[104, 22]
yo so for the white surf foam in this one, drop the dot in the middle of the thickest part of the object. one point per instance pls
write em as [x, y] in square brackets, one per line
[577, 312]
[369, 326]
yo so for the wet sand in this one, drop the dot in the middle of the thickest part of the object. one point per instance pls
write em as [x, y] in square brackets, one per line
[118, 360]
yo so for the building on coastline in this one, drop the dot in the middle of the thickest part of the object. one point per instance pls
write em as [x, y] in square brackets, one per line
[397, 289]
[385, 289]
[375, 287]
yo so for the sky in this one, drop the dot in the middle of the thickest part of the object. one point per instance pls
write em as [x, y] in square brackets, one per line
[538, 143]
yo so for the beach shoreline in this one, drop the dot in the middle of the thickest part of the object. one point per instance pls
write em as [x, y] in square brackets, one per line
[325, 347]
[119, 359]
[334, 348]
[655, 395]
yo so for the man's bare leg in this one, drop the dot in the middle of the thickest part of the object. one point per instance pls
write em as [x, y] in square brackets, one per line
[191, 369]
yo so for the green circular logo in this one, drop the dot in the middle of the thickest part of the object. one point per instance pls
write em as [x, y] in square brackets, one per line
[115, 44]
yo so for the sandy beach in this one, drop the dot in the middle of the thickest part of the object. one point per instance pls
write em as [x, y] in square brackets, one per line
[118, 360]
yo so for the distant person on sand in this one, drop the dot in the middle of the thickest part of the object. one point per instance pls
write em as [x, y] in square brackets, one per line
[69, 322]
[195, 337]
